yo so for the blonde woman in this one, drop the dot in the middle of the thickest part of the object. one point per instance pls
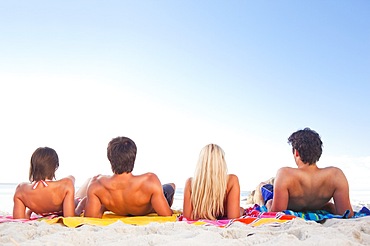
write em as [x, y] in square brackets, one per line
[212, 193]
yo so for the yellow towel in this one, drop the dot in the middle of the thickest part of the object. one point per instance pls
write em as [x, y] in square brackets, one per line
[109, 218]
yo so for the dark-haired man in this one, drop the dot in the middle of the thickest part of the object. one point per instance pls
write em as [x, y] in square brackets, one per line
[309, 187]
[124, 193]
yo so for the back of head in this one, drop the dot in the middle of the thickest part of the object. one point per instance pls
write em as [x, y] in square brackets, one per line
[121, 153]
[308, 144]
[44, 163]
[209, 183]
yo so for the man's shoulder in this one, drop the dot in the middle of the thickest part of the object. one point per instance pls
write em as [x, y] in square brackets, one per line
[332, 170]
[149, 182]
[100, 178]
[286, 170]
[98, 181]
[287, 175]
[148, 176]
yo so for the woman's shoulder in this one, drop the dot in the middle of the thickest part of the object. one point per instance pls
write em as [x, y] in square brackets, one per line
[22, 190]
[23, 185]
[232, 177]
[66, 182]
[232, 180]
[188, 184]
[188, 181]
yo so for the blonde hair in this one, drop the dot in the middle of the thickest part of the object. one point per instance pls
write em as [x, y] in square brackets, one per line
[209, 184]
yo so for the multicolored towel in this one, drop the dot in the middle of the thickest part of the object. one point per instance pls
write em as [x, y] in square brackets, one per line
[319, 215]
[108, 218]
[252, 216]
[9, 218]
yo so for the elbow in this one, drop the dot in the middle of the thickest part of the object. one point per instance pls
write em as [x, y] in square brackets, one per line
[169, 213]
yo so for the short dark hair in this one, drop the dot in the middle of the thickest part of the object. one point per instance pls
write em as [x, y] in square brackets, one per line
[121, 153]
[44, 163]
[308, 144]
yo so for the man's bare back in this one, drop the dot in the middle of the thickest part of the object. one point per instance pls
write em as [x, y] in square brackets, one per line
[311, 188]
[126, 194]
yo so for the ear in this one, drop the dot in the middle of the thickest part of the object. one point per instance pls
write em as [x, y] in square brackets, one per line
[296, 153]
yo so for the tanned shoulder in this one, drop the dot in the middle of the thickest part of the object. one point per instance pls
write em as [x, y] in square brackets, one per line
[233, 178]
[19, 189]
[67, 182]
[284, 170]
[334, 169]
[150, 175]
[95, 184]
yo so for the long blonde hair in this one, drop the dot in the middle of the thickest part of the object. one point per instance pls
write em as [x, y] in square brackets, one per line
[209, 184]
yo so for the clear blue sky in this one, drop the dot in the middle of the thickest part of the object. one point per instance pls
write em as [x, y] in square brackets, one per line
[177, 75]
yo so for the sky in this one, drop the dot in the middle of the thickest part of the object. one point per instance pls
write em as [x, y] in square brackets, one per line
[175, 76]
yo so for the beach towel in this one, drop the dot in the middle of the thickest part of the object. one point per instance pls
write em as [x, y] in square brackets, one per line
[317, 215]
[320, 215]
[110, 218]
[363, 212]
[107, 219]
[253, 216]
[9, 218]
[248, 220]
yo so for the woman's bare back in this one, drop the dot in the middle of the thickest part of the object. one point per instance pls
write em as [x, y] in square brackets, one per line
[44, 197]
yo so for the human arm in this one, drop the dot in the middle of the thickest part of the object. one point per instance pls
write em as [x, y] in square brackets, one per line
[71, 178]
[187, 206]
[341, 194]
[158, 200]
[233, 197]
[281, 193]
[93, 206]
[19, 209]
[68, 202]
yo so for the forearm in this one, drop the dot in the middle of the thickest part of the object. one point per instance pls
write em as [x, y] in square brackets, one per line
[19, 210]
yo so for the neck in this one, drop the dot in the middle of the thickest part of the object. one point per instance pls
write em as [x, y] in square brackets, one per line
[300, 164]
[122, 175]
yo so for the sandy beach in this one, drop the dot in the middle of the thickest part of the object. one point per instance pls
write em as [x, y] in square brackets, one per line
[297, 231]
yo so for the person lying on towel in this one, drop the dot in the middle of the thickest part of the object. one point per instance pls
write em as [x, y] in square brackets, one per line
[211, 175]
[308, 187]
[44, 195]
[124, 193]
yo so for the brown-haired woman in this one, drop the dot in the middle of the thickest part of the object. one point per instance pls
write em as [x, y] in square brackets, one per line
[44, 195]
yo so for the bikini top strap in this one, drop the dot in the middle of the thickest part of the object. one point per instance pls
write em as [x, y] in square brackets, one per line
[37, 183]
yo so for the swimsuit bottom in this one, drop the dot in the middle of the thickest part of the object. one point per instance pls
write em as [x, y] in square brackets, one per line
[267, 192]
[169, 192]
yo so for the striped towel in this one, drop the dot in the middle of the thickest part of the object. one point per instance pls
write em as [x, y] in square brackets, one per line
[317, 215]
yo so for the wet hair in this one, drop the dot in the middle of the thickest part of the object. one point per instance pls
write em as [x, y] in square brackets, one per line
[308, 144]
[209, 184]
[121, 153]
[44, 163]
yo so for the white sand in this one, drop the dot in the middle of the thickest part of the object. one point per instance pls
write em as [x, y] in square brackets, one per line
[298, 231]
[332, 232]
